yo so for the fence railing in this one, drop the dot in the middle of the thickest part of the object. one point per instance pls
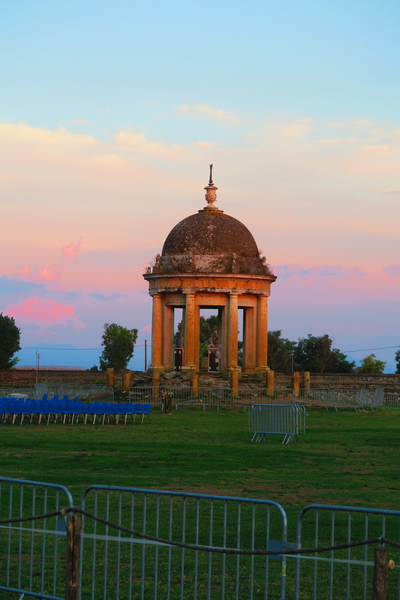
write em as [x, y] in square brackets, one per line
[127, 543]
[33, 553]
[159, 570]
[348, 572]
[219, 397]
[288, 420]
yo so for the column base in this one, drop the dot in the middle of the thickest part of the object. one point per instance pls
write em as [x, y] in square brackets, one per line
[156, 372]
[262, 369]
[188, 371]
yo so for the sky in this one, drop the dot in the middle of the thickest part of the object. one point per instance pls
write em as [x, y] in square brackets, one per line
[111, 112]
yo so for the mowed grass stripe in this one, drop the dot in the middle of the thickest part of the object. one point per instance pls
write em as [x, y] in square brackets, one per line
[345, 458]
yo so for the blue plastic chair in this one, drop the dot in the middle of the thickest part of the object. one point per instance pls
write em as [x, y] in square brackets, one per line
[26, 412]
[43, 410]
[77, 409]
[98, 411]
[138, 410]
[35, 409]
[146, 411]
[53, 411]
[129, 410]
[9, 409]
[112, 410]
[121, 411]
[18, 408]
[89, 412]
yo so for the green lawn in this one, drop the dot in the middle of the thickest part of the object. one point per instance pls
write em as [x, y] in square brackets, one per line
[344, 458]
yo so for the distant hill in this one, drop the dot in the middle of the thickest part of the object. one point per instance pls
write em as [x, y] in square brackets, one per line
[67, 356]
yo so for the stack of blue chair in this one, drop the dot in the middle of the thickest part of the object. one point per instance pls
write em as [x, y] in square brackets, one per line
[70, 410]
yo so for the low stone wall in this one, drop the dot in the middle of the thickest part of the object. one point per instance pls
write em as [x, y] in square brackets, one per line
[355, 381]
[350, 381]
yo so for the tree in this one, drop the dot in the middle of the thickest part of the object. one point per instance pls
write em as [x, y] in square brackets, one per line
[10, 336]
[280, 351]
[397, 358]
[316, 354]
[370, 364]
[118, 345]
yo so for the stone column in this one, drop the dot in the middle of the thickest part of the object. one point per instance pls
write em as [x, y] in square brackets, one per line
[296, 383]
[262, 331]
[190, 331]
[156, 333]
[306, 381]
[270, 383]
[233, 330]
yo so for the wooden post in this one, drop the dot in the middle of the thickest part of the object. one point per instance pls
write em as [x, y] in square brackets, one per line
[380, 585]
[74, 528]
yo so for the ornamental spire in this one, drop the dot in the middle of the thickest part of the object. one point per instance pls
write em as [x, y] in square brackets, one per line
[211, 195]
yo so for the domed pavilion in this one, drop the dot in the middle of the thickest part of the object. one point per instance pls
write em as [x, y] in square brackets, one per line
[210, 261]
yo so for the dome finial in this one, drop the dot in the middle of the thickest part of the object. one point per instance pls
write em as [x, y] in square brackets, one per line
[211, 195]
[211, 181]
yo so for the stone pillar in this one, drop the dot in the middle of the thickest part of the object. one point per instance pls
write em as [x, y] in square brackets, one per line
[270, 383]
[234, 373]
[306, 381]
[262, 331]
[233, 330]
[296, 383]
[190, 330]
[111, 377]
[126, 380]
[156, 333]
[194, 384]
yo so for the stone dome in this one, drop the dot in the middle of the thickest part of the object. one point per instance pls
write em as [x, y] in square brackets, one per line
[210, 242]
[210, 233]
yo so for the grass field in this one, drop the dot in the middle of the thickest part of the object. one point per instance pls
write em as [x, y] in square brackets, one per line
[345, 458]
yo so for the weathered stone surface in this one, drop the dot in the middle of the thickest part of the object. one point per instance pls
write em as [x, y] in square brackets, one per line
[209, 233]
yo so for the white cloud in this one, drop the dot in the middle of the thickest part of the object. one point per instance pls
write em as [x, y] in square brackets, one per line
[206, 111]
[78, 122]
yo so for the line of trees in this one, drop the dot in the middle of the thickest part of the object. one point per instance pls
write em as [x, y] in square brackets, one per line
[317, 355]
[312, 353]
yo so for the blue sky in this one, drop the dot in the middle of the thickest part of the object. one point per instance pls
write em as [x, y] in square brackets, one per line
[111, 112]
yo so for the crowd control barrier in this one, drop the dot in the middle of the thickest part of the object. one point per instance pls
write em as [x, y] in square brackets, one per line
[288, 420]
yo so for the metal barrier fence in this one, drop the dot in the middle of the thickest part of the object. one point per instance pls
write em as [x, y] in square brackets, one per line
[88, 392]
[219, 397]
[345, 573]
[33, 553]
[288, 420]
[124, 566]
[142, 544]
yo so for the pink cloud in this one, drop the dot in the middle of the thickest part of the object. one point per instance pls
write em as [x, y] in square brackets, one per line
[44, 311]
[46, 274]
[146, 328]
[392, 270]
[72, 250]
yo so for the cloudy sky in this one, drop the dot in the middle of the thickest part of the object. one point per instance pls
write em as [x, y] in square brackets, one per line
[110, 113]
